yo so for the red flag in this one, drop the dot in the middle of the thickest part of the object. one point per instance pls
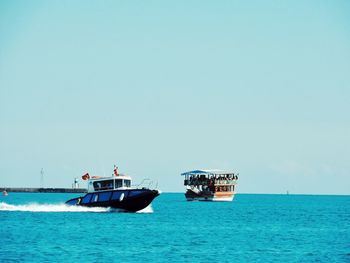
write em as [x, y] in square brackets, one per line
[85, 176]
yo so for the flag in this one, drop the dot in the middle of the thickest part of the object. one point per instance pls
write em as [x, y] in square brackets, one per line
[85, 176]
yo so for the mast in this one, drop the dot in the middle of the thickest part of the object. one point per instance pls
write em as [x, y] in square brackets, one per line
[42, 178]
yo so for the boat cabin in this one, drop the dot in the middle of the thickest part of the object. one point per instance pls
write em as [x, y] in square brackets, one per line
[99, 184]
[211, 180]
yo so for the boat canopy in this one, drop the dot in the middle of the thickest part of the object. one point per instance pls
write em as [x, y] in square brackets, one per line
[207, 172]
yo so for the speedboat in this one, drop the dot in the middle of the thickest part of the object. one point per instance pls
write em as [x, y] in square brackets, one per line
[210, 185]
[4, 193]
[115, 192]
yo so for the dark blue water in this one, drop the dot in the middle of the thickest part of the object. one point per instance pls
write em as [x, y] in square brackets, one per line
[252, 228]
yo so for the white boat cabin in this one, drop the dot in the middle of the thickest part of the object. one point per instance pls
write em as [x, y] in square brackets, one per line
[100, 184]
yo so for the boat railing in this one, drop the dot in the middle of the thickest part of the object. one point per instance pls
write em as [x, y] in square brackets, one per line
[147, 183]
[209, 182]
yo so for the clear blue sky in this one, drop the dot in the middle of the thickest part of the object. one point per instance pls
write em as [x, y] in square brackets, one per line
[161, 87]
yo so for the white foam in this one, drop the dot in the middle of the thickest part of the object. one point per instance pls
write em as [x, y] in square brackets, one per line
[50, 208]
[146, 210]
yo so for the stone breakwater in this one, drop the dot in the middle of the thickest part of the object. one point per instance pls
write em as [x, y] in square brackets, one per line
[43, 190]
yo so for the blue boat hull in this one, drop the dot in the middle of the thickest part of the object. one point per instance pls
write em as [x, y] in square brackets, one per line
[131, 200]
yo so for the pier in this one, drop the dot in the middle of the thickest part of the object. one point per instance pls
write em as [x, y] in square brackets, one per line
[42, 190]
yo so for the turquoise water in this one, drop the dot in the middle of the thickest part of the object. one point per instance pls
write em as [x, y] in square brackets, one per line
[252, 228]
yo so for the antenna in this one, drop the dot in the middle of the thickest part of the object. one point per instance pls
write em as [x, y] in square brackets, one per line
[42, 178]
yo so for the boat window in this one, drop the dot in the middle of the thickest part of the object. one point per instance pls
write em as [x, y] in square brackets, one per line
[94, 198]
[104, 196]
[97, 186]
[116, 195]
[86, 199]
[103, 185]
[118, 183]
[127, 183]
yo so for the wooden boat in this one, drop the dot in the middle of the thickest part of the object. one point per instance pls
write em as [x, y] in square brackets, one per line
[210, 185]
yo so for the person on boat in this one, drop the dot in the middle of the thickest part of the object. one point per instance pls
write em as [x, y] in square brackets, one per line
[115, 171]
[109, 185]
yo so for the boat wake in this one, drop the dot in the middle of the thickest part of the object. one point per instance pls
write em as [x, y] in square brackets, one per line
[63, 208]
[51, 208]
[146, 210]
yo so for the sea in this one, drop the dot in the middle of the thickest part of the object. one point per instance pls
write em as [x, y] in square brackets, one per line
[38, 227]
